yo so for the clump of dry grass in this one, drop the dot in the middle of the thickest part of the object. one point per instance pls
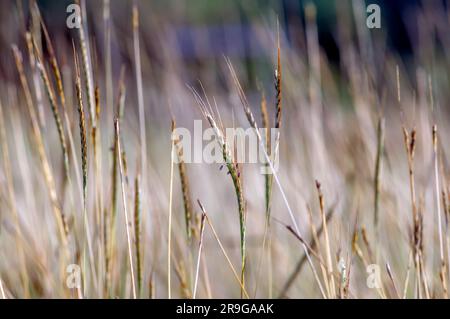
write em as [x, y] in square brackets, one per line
[37, 135]
[443, 264]
[254, 125]
[417, 233]
[138, 71]
[329, 262]
[110, 219]
[84, 169]
[87, 66]
[232, 167]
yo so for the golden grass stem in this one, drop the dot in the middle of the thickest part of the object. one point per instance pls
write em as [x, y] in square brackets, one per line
[110, 219]
[87, 69]
[236, 276]
[443, 265]
[232, 167]
[410, 144]
[391, 277]
[299, 266]
[125, 211]
[315, 238]
[327, 242]
[37, 88]
[84, 167]
[107, 50]
[200, 246]
[53, 61]
[137, 232]
[169, 231]
[138, 72]
[185, 189]
[54, 108]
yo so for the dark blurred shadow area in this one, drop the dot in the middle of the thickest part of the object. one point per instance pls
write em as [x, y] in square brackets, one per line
[210, 29]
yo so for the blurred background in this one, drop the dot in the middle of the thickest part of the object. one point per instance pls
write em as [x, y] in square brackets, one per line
[203, 31]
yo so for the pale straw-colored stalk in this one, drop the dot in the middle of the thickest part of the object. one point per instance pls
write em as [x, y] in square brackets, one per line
[138, 72]
[125, 211]
[253, 124]
[200, 246]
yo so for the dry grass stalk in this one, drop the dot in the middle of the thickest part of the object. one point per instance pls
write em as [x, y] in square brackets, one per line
[36, 82]
[278, 105]
[234, 173]
[107, 50]
[327, 242]
[312, 243]
[344, 282]
[97, 162]
[266, 126]
[252, 122]
[356, 249]
[83, 138]
[53, 62]
[312, 251]
[180, 272]
[57, 76]
[315, 237]
[125, 211]
[151, 287]
[185, 189]
[236, 276]
[137, 232]
[267, 188]
[445, 196]
[417, 234]
[268, 178]
[265, 120]
[365, 259]
[391, 277]
[366, 242]
[60, 217]
[443, 267]
[200, 246]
